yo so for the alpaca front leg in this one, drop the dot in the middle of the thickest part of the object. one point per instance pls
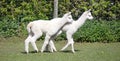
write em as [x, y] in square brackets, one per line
[45, 43]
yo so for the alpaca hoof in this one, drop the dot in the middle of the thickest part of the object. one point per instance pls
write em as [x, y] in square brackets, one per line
[73, 51]
[26, 52]
[51, 51]
[41, 51]
[55, 50]
[62, 50]
[36, 51]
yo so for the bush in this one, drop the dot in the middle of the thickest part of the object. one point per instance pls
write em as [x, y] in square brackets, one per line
[98, 31]
[8, 27]
[16, 14]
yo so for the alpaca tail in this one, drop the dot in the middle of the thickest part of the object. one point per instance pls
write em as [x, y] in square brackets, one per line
[29, 27]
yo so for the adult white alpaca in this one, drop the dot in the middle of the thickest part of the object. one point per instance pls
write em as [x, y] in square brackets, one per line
[70, 29]
[50, 28]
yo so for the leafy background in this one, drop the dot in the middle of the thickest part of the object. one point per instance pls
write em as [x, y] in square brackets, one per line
[16, 14]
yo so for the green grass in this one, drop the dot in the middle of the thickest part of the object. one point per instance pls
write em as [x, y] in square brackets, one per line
[12, 49]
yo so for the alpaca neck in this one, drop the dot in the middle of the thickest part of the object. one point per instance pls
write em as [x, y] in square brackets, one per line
[59, 22]
[81, 21]
[59, 25]
[62, 23]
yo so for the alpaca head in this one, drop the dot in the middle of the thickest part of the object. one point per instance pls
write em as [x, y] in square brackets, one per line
[89, 15]
[68, 17]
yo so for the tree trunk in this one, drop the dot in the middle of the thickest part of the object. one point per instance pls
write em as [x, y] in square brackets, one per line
[55, 15]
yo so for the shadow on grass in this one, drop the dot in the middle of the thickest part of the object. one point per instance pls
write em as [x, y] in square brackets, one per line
[33, 52]
[69, 51]
[65, 51]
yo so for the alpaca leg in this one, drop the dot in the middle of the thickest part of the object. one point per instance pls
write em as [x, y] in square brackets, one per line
[47, 47]
[72, 45]
[52, 45]
[34, 45]
[65, 46]
[73, 48]
[70, 41]
[33, 40]
[27, 44]
[69, 35]
[45, 43]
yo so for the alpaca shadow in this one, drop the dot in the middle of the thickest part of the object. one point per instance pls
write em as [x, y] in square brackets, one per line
[69, 51]
[33, 52]
[29, 52]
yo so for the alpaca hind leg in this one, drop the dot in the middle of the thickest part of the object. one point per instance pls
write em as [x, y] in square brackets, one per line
[34, 45]
[33, 40]
[27, 44]
[70, 41]
[65, 46]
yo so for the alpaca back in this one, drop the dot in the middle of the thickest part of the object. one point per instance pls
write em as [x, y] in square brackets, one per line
[45, 26]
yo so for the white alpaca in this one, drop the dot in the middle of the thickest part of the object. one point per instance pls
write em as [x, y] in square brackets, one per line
[50, 28]
[70, 29]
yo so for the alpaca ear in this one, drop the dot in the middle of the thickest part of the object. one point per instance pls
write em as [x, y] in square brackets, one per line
[69, 13]
[89, 10]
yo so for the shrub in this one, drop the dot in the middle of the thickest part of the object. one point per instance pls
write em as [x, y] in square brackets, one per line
[98, 31]
[16, 14]
[8, 27]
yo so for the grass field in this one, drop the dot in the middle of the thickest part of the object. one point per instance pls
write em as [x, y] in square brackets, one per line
[12, 49]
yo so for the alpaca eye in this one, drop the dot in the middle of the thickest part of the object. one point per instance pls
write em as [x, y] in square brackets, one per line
[69, 17]
[89, 15]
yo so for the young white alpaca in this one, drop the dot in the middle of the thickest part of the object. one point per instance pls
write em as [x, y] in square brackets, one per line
[50, 28]
[70, 29]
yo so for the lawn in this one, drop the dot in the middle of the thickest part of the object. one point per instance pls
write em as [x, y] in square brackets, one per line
[12, 49]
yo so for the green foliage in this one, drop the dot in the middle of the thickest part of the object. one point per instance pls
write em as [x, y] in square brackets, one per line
[99, 31]
[16, 14]
[8, 27]
[101, 9]
[96, 31]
